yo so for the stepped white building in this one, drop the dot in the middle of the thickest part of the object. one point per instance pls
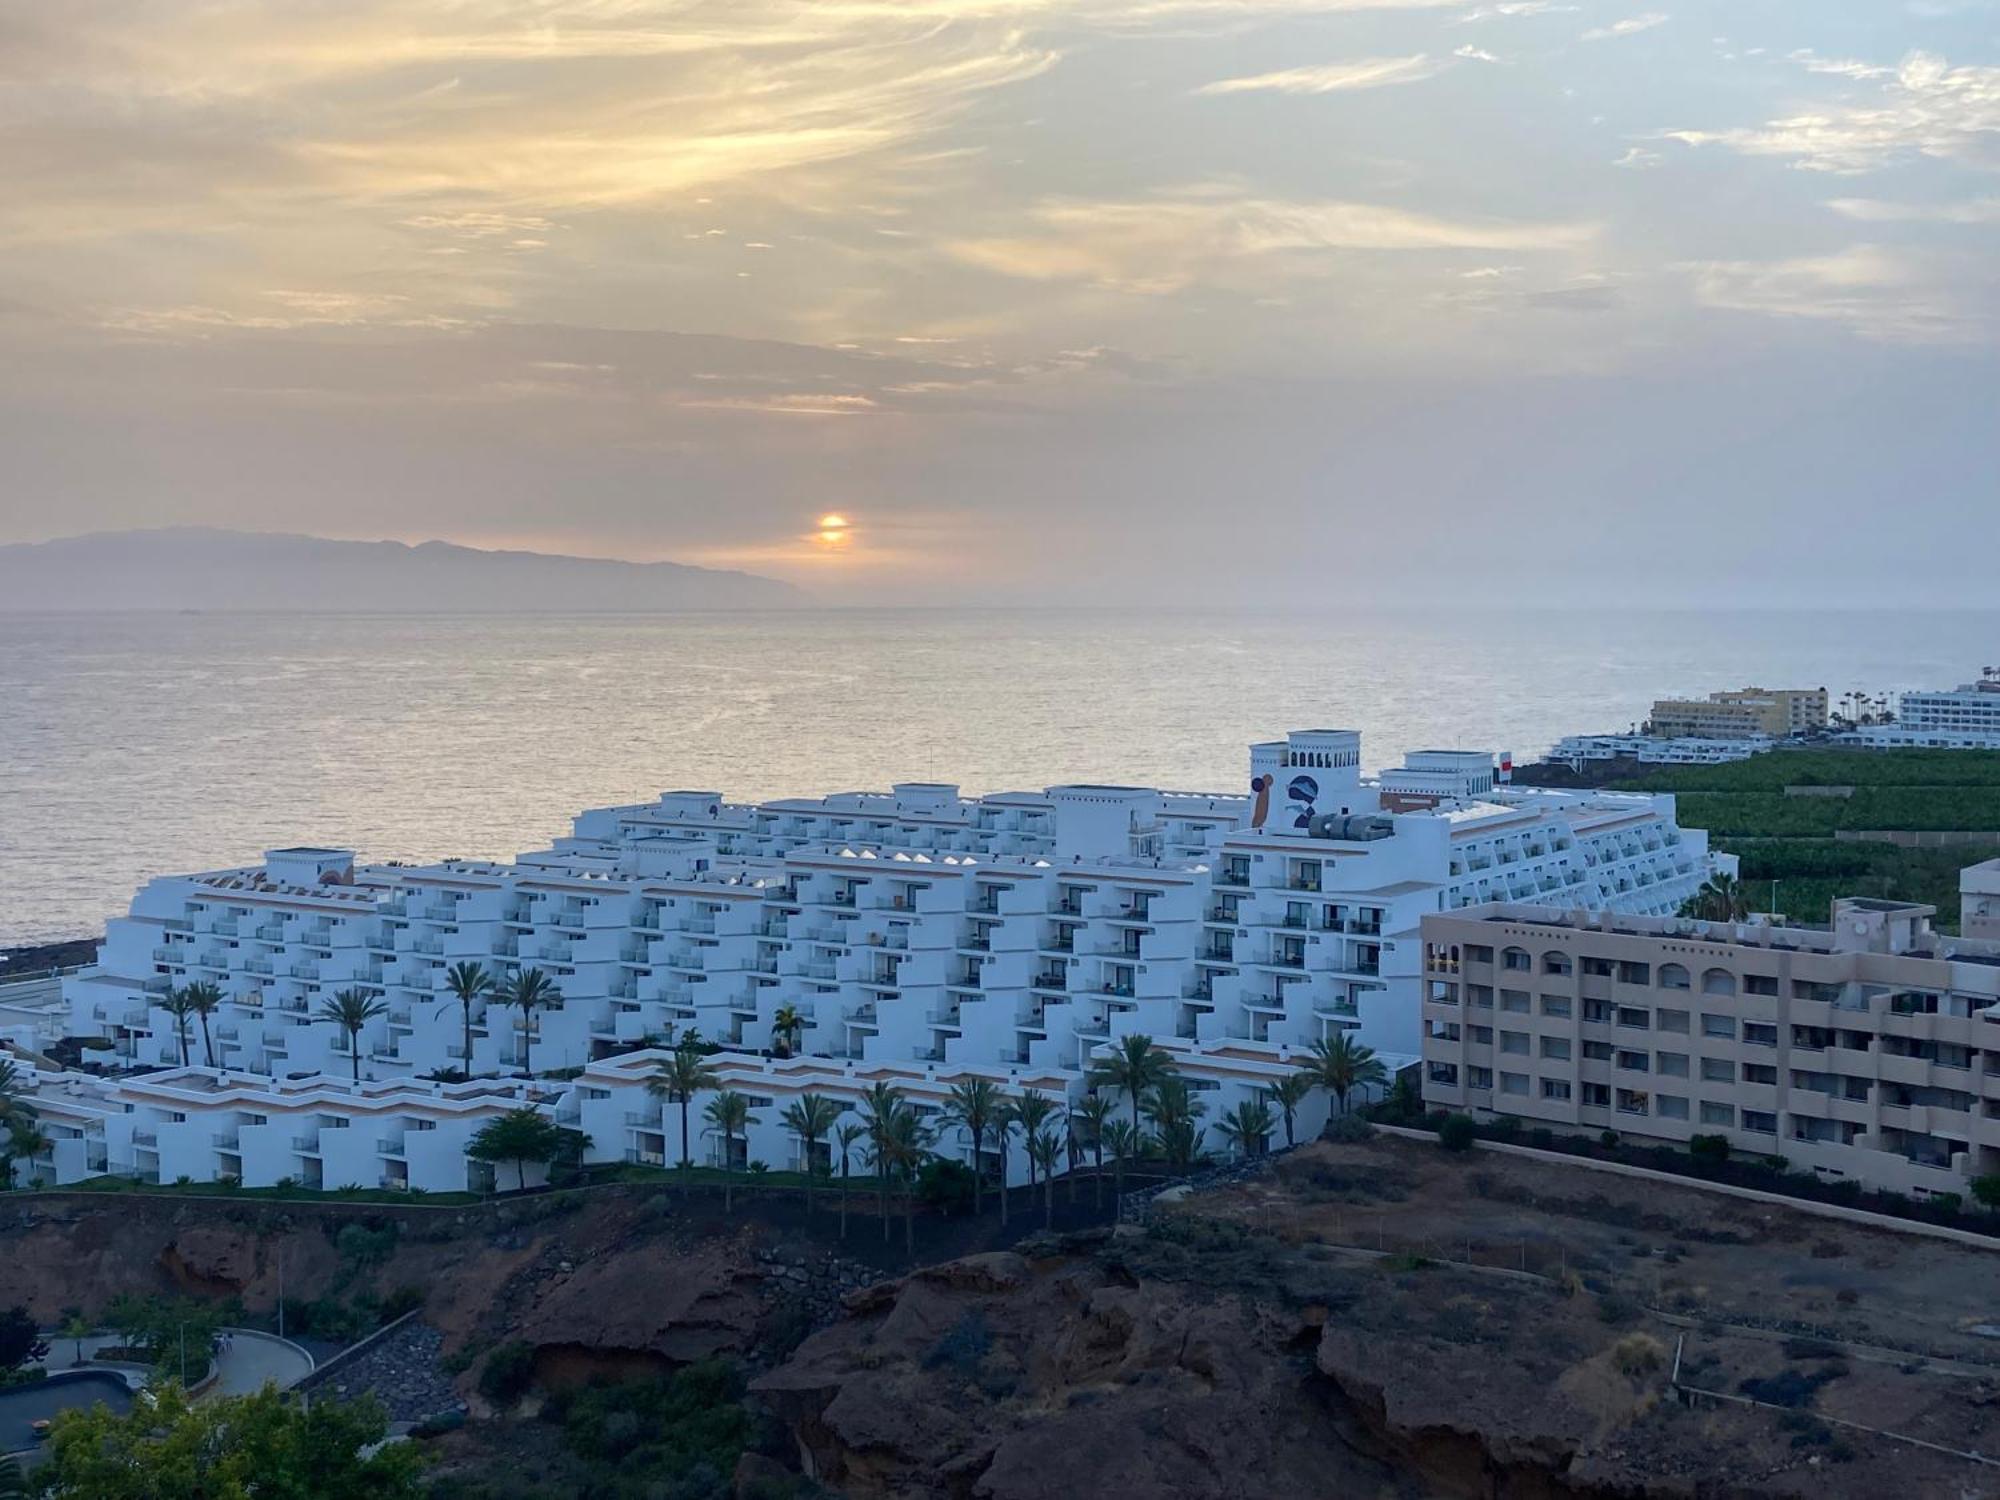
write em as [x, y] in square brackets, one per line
[918, 934]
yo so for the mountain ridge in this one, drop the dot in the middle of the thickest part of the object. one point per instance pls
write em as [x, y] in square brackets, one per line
[223, 569]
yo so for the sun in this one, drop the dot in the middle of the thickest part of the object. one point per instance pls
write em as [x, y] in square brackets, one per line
[835, 530]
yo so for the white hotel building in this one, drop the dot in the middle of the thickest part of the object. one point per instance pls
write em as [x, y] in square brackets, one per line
[1965, 719]
[922, 935]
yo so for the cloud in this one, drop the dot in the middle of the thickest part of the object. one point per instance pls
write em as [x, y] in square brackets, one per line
[1889, 295]
[1328, 78]
[1474, 54]
[1875, 211]
[1163, 243]
[1629, 26]
[1638, 158]
[1922, 107]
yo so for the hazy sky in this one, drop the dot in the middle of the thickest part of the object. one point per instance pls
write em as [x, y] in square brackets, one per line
[1181, 300]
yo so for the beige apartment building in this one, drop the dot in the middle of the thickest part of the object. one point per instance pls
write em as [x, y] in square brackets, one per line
[1979, 900]
[1741, 714]
[1868, 1051]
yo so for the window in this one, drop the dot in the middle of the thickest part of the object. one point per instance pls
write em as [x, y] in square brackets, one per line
[1670, 1106]
[1760, 984]
[1762, 1073]
[1556, 1005]
[1556, 1048]
[1812, 1038]
[1718, 982]
[1596, 1096]
[1515, 1042]
[1517, 959]
[1444, 1073]
[1671, 1020]
[1759, 1122]
[1634, 973]
[1597, 968]
[1480, 995]
[1555, 1088]
[1717, 1070]
[1637, 1018]
[1597, 1012]
[1478, 953]
[1514, 1083]
[1480, 1035]
[1672, 1064]
[1635, 1062]
[1634, 1102]
[1514, 1000]
[1757, 1034]
[1717, 1114]
[1479, 1078]
[1673, 977]
[1597, 1051]
[1712, 1025]
[1555, 963]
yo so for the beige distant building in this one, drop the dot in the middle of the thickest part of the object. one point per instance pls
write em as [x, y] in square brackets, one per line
[1741, 714]
[1870, 1051]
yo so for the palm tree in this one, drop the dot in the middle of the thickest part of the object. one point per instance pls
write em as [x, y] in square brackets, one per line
[809, 1118]
[787, 1026]
[204, 999]
[21, 1133]
[176, 1004]
[1003, 1135]
[1720, 899]
[1136, 1066]
[1123, 1140]
[351, 1010]
[684, 1074]
[1342, 1065]
[847, 1137]
[975, 1105]
[1247, 1127]
[908, 1143]
[467, 982]
[1288, 1093]
[1175, 1113]
[1031, 1113]
[529, 990]
[1095, 1115]
[729, 1112]
[879, 1109]
[1043, 1147]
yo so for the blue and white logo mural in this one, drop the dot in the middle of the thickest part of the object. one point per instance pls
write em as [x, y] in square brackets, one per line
[1303, 793]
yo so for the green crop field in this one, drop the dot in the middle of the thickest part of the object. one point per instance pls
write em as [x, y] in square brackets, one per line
[1791, 839]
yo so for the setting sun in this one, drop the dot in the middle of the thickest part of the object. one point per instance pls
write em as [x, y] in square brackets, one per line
[834, 530]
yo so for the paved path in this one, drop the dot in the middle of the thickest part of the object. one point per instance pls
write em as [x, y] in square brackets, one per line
[254, 1358]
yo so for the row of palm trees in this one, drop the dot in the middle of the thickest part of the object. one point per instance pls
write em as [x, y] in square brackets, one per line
[525, 990]
[20, 1131]
[1166, 1116]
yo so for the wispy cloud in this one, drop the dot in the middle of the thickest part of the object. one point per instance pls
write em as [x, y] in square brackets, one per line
[1876, 211]
[1328, 78]
[1885, 294]
[1628, 26]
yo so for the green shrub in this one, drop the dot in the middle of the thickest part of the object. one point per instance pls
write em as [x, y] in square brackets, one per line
[1457, 1133]
[945, 1186]
[1348, 1129]
[508, 1373]
[1709, 1150]
[404, 1299]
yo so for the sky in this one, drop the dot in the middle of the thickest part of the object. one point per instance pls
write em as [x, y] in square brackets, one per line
[1189, 302]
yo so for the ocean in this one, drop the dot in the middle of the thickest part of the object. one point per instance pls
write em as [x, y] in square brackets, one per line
[134, 745]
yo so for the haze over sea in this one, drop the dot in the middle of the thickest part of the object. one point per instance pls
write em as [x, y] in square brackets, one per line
[141, 744]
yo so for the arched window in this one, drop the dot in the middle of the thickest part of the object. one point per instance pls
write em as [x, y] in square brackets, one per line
[1718, 982]
[1673, 977]
[1554, 962]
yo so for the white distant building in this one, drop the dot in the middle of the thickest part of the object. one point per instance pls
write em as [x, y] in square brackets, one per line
[1965, 719]
[917, 933]
[1578, 750]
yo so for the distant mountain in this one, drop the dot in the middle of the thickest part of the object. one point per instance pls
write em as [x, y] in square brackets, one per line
[205, 568]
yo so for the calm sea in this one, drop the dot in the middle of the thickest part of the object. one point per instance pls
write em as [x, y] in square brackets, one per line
[140, 744]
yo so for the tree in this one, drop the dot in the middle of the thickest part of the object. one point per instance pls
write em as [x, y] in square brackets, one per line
[1123, 1141]
[529, 990]
[1003, 1136]
[1457, 1132]
[468, 982]
[1721, 898]
[975, 1105]
[169, 1448]
[809, 1118]
[1031, 1112]
[20, 1131]
[1288, 1093]
[1986, 1190]
[1136, 1066]
[1175, 1114]
[76, 1328]
[1094, 1114]
[20, 1342]
[847, 1137]
[879, 1109]
[176, 1004]
[1341, 1065]
[908, 1142]
[787, 1026]
[683, 1075]
[203, 999]
[1247, 1127]
[520, 1136]
[1043, 1148]
[729, 1112]
[351, 1010]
